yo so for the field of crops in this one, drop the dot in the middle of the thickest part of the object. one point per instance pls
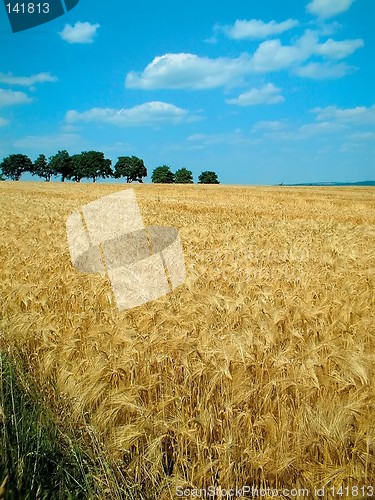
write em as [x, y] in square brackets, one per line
[259, 370]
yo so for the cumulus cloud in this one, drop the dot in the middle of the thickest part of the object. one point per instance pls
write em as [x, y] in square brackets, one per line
[10, 97]
[357, 115]
[79, 33]
[268, 94]
[327, 28]
[319, 128]
[26, 81]
[363, 136]
[149, 113]
[271, 55]
[330, 125]
[328, 8]
[3, 122]
[324, 71]
[269, 125]
[257, 29]
[188, 71]
[49, 143]
[338, 50]
[199, 141]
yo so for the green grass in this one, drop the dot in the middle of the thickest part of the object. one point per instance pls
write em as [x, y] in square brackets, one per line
[39, 459]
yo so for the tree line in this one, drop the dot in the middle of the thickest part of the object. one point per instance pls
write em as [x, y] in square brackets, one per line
[93, 165]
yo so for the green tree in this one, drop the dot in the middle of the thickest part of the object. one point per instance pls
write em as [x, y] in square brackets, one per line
[93, 164]
[42, 168]
[77, 171]
[162, 175]
[61, 164]
[13, 166]
[130, 167]
[208, 177]
[183, 176]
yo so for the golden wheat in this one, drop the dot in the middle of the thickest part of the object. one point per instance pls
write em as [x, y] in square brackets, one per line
[259, 370]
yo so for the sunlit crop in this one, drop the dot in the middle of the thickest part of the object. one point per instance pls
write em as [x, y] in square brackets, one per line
[258, 370]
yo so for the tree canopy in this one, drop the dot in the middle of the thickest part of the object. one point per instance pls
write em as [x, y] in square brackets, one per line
[208, 177]
[13, 166]
[94, 165]
[183, 176]
[42, 168]
[61, 164]
[162, 175]
[130, 167]
[91, 164]
[77, 171]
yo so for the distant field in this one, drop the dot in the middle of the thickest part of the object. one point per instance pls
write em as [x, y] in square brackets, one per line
[259, 370]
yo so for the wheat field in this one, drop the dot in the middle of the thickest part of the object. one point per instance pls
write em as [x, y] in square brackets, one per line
[258, 370]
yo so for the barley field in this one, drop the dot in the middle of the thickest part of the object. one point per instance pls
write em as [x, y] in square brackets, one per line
[259, 370]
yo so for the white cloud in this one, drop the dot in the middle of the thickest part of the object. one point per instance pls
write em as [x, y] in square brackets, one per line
[271, 55]
[149, 113]
[357, 115]
[328, 8]
[257, 29]
[199, 141]
[338, 50]
[363, 136]
[69, 128]
[324, 71]
[10, 97]
[320, 128]
[327, 28]
[330, 127]
[188, 71]
[268, 94]
[79, 33]
[330, 123]
[26, 81]
[269, 125]
[49, 143]
[117, 147]
[3, 122]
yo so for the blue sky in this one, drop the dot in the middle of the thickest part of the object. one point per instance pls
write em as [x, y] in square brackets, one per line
[260, 91]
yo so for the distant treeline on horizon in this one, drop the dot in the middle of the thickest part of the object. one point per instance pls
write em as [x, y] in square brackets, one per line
[359, 183]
